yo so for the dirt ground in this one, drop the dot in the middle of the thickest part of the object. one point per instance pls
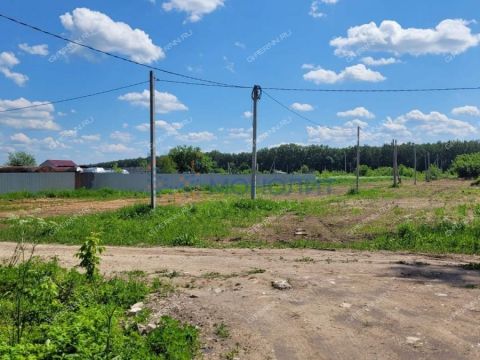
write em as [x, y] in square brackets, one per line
[342, 305]
[55, 207]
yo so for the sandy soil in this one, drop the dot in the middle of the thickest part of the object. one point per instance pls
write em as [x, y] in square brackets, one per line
[55, 207]
[343, 304]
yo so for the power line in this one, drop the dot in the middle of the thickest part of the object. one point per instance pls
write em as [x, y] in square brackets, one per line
[202, 84]
[74, 98]
[46, 32]
[236, 86]
[290, 109]
[373, 90]
[220, 84]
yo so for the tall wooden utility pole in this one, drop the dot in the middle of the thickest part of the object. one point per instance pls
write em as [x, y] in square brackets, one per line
[428, 167]
[345, 162]
[415, 164]
[394, 144]
[153, 147]
[357, 187]
[256, 95]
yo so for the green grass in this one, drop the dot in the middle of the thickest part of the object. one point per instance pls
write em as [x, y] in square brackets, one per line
[213, 223]
[199, 225]
[100, 194]
[441, 237]
[47, 312]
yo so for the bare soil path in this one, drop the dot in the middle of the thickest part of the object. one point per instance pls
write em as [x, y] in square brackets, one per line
[343, 304]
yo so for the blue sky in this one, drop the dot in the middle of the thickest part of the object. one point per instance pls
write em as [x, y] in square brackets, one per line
[324, 44]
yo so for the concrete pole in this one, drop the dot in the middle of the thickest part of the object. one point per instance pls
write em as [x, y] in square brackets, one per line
[153, 147]
[256, 95]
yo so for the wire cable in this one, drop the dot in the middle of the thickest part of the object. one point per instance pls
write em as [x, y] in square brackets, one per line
[290, 109]
[202, 84]
[46, 32]
[221, 84]
[73, 98]
[324, 90]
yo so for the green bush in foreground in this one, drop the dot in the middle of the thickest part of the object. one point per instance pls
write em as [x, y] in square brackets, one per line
[47, 312]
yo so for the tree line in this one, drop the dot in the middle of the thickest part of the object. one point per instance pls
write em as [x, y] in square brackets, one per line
[295, 158]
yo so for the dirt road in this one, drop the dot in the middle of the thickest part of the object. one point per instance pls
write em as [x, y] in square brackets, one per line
[342, 305]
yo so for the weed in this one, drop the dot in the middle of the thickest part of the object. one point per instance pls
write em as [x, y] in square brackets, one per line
[174, 340]
[255, 271]
[472, 266]
[89, 254]
[186, 239]
[232, 354]
[221, 330]
[305, 259]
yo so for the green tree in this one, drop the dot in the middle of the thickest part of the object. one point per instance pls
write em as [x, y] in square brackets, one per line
[191, 159]
[21, 158]
[166, 165]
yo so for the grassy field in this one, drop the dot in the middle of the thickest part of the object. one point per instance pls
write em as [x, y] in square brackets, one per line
[440, 217]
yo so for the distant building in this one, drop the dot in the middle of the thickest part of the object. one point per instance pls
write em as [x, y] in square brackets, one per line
[59, 164]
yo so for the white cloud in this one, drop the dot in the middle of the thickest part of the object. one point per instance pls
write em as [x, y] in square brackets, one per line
[195, 9]
[68, 133]
[229, 65]
[164, 102]
[17, 78]
[93, 137]
[247, 114]
[41, 49]
[354, 73]
[308, 66]
[356, 123]
[301, 107]
[396, 127]
[370, 61]
[102, 32]
[343, 135]
[359, 112]
[315, 7]
[7, 61]
[240, 133]
[114, 148]
[431, 124]
[123, 137]
[202, 136]
[451, 36]
[38, 118]
[20, 138]
[438, 123]
[315, 10]
[35, 144]
[466, 110]
[164, 126]
[240, 45]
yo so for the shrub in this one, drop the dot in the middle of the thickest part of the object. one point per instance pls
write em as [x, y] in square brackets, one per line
[467, 166]
[67, 317]
[89, 254]
[174, 340]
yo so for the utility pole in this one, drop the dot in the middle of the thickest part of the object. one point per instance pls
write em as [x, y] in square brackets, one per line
[357, 187]
[153, 148]
[428, 168]
[394, 144]
[256, 95]
[345, 162]
[415, 164]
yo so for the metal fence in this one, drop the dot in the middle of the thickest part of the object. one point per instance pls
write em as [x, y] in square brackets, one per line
[34, 182]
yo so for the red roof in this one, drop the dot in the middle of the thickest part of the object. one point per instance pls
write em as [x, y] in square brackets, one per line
[58, 163]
